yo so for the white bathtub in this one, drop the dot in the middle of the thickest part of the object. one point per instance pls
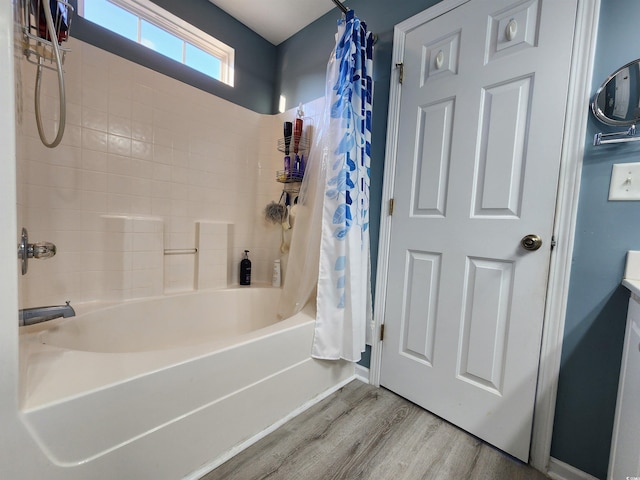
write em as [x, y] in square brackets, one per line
[166, 387]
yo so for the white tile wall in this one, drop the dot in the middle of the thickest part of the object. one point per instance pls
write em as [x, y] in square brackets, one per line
[212, 243]
[142, 151]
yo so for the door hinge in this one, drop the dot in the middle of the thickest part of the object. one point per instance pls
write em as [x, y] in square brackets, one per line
[553, 242]
[382, 332]
[400, 67]
[391, 205]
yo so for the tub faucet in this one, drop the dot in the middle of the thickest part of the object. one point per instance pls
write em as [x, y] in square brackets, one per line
[31, 316]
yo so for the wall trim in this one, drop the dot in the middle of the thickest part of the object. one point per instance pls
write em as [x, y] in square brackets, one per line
[573, 146]
[562, 471]
[566, 211]
[362, 373]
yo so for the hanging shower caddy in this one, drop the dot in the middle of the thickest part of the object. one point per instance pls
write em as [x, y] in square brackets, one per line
[45, 27]
[295, 145]
[292, 175]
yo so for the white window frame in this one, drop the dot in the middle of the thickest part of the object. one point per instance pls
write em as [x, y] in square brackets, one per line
[161, 18]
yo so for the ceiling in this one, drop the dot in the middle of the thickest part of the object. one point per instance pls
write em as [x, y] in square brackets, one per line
[275, 20]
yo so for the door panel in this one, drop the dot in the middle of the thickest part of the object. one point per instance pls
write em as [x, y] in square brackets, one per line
[500, 165]
[419, 312]
[525, 35]
[435, 123]
[487, 298]
[440, 58]
[479, 141]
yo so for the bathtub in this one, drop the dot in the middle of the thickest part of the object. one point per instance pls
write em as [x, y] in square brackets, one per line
[167, 387]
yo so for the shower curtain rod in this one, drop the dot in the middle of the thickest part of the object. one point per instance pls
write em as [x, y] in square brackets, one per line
[345, 9]
[340, 6]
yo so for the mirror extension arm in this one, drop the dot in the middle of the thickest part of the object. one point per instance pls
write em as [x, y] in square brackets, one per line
[617, 137]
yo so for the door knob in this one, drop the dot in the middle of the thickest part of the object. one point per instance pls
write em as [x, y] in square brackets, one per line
[531, 242]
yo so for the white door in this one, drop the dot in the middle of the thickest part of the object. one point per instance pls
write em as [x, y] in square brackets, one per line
[481, 124]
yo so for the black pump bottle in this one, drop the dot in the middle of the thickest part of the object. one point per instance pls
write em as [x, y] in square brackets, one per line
[245, 269]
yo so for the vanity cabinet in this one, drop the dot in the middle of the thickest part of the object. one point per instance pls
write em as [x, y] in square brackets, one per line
[624, 462]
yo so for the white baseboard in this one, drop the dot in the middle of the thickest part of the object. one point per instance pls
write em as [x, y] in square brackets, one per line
[259, 436]
[362, 373]
[563, 471]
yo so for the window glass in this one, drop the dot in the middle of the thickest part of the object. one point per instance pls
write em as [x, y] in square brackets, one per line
[202, 61]
[114, 18]
[161, 41]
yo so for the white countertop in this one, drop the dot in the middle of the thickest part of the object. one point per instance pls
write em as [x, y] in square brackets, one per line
[633, 285]
[631, 278]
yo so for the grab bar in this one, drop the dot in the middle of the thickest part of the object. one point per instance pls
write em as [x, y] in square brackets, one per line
[180, 251]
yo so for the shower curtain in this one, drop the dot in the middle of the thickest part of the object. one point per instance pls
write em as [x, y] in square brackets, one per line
[330, 243]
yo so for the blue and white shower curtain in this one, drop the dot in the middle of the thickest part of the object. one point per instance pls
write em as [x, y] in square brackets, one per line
[344, 280]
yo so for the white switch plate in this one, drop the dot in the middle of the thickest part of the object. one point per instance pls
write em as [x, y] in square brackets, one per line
[625, 182]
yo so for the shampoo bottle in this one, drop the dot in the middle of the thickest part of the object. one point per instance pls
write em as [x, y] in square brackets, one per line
[245, 269]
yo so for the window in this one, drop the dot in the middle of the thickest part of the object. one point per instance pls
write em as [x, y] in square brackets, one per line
[147, 24]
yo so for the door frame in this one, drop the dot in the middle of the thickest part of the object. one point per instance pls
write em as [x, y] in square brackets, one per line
[573, 145]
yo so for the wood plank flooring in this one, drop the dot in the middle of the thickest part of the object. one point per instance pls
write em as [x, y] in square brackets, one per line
[368, 433]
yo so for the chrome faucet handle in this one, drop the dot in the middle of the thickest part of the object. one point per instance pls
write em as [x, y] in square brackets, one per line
[41, 250]
[28, 250]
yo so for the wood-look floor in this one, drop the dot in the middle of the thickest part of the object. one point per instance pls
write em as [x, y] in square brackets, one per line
[363, 432]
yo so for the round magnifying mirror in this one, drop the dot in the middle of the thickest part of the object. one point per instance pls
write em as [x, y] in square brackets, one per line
[617, 101]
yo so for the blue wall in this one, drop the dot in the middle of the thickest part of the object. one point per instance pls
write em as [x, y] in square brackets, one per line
[596, 312]
[255, 57]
